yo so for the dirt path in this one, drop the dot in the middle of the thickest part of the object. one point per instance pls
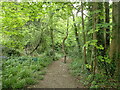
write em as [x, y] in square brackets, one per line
[58, 77]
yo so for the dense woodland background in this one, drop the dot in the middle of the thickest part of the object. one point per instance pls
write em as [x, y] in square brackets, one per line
[34, 34]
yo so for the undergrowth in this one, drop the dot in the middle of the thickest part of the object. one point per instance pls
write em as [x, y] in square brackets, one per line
[19, 72]
[88, 79]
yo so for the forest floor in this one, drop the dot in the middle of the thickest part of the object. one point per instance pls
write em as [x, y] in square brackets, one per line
[58, 76]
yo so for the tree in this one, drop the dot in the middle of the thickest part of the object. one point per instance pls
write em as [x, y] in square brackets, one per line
[107, 20]
[94, 37]
[63, 43]
[52, 35]
[100, 32]
[76, 33]
[84, 35]
[115, 43]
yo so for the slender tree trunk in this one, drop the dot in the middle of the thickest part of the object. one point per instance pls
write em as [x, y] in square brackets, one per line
[94, 36]
[40, 41]
[106, 35]
[52, 36]
[84, 35]
[100, 33]
[76, 34]
[52, 41]
[63, 43]
[107, 32]
[90, 36]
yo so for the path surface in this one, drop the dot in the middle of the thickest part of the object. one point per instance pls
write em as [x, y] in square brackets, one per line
[58, 76]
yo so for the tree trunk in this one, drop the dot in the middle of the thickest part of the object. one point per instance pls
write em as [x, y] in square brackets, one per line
[40, 41]
[63, 43]
[52, 36]
[84, 35]
[52, 41]
[76, 34]
[100, 33]
[107, 30]
[115, 44]
[94, 37]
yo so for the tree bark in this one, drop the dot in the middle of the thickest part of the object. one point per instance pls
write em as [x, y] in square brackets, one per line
[100, 33]
[52, 36]
[107, 30]
[40, 41]
[76, 34]
[63, 43]
[84, 35]
[115, 43]
[94, 37]
[52, 41]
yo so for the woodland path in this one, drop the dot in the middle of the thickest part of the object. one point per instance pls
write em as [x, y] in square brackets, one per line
[58, 76]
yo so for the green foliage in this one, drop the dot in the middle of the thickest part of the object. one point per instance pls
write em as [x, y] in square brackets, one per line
[30, 81]
[26, 26]
[99, 80]
[19, 84]
[76, 67]
[104, 59]
[38, 76]
[88, 66]
[42, 73]
[22, 71]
